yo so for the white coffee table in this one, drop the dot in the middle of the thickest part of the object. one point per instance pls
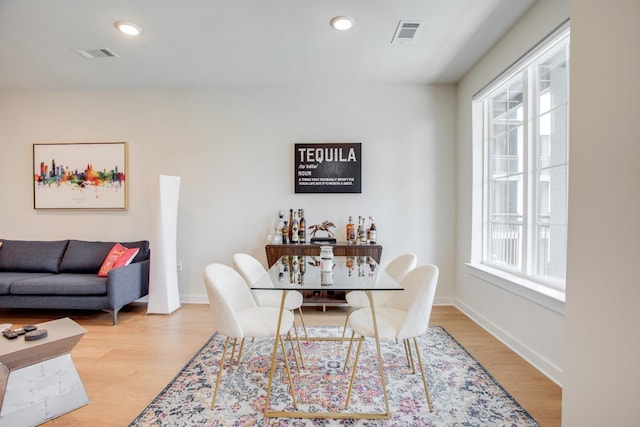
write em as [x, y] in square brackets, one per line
[38, 380]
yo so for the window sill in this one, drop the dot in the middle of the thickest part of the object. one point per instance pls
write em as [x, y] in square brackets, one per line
[545, 296]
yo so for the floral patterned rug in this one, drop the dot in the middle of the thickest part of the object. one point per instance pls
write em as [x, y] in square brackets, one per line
[463, 393]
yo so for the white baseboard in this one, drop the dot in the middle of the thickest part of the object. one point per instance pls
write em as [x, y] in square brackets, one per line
[194, 299]
[550, 370]
[444, 301]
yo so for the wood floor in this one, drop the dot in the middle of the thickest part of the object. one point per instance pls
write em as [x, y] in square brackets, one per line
[124, 367]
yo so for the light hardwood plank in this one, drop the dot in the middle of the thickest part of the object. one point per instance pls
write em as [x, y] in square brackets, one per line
[124, 367]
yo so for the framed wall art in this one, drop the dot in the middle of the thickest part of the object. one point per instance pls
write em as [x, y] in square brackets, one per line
[80, 176]
[328, 168]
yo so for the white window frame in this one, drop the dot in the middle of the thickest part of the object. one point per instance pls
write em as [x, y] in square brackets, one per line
[545, 290]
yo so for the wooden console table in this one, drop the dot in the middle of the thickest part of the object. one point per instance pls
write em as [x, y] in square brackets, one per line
[323, 298]
[274, 252]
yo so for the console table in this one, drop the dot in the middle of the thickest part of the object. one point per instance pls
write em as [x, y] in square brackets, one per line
[339, 249]
[324, 298]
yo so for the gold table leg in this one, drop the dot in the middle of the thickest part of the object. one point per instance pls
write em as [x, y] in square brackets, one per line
[273, 361]
[382, 375]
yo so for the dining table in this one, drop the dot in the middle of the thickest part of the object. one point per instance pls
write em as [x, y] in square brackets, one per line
[311, 273]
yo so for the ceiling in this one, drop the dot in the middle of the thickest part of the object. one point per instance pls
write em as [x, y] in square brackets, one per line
[212, 43]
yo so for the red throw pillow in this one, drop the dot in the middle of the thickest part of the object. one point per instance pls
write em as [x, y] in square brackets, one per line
[126, 257]
[118, 256]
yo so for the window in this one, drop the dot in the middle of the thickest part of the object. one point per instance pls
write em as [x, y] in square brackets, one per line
[524, 120]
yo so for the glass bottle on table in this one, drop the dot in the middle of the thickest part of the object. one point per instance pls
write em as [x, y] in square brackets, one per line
[350, 231]
[302, 226]
[294, 229]
[362, 232]
[285, 233]
[373, 231]
[278, 229]
[290, 223]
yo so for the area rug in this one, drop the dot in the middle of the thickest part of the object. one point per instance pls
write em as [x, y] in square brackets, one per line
[463, 393]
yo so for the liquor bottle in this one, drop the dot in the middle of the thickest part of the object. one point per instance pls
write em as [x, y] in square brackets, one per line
[278, 228]
[290, 224]
[302, 233]
[285, 233]
[351, 232]
[372, 231]
[362, 232]
[295, 229]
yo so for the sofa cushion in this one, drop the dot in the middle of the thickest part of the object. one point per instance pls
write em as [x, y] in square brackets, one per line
[84, 257]
[32, 255]
[8, 277]
[87, 257]
[61, 284]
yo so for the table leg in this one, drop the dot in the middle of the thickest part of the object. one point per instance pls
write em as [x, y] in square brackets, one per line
[273, 360]
[375, 330]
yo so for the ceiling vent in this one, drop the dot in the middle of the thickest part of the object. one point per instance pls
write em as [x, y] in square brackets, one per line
[406, 32]
[104, 52]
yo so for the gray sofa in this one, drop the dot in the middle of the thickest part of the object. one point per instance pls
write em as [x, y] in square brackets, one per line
[63, 274]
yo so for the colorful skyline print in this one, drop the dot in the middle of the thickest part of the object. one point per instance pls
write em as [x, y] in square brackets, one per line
[81, 175]
[89, 176]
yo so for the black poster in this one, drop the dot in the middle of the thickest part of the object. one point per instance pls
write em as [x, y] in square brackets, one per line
[328, 168]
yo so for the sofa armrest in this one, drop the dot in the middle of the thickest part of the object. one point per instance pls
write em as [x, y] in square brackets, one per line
[127, 284]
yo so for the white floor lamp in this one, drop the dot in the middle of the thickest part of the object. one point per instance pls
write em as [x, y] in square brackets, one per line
[164, 296]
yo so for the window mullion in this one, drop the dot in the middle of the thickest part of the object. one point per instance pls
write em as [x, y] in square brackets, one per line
[530, 133]
[486, 151]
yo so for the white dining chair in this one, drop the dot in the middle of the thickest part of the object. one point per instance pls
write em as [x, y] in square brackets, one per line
[237, 316]
[252, 271]
[404, 316]
[397, 269]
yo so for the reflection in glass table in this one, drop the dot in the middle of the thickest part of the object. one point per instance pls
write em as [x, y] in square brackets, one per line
[348, 274]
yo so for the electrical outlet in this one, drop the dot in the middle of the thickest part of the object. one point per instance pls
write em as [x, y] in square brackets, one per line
[179, 266]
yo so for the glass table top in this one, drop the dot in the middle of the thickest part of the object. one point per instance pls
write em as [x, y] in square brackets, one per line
[349, 273]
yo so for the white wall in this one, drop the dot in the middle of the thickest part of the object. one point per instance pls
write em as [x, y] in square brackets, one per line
[531, 329]
[233, 149]
[602, 368]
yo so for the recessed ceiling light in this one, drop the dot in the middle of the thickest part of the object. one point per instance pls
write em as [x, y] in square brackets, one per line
[128, 28]
[342, 23]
